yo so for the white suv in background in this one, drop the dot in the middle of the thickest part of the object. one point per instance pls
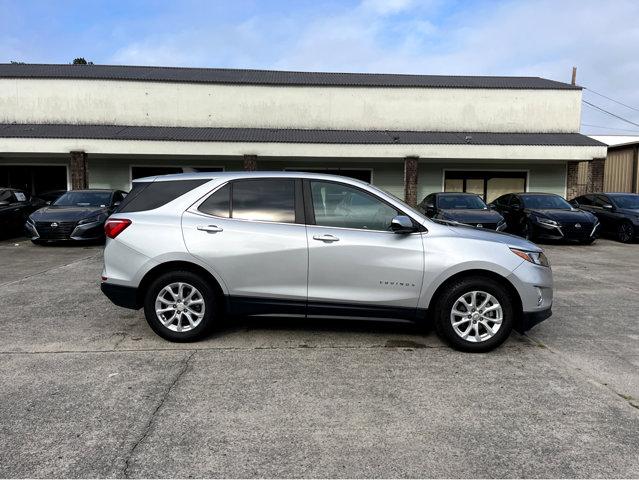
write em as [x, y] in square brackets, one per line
[191, 248]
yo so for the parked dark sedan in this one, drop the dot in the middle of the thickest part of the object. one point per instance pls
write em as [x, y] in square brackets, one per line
[546, 216]
[15, 207]
[76, 215]
[618, 213]
[465, 208]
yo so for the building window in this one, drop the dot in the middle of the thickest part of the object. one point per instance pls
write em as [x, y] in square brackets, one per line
[488, 185]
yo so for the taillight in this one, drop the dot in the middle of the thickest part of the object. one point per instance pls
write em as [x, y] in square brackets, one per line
[114, 227]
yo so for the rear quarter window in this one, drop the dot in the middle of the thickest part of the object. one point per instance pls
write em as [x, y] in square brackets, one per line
[151, 195]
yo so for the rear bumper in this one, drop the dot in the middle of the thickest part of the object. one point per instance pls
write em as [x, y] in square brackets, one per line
[126, 297]
[529, 319]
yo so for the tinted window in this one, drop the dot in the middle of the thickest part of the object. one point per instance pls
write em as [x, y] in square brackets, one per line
[6, 196]
[515, 201]
[627, 201]
[84, 199]
[460, 202]
[271, 200]
[503, 200]
[337, 205]
[550, 202]
[600, 201]
[149, 195]
[584, 200]
[218, 203]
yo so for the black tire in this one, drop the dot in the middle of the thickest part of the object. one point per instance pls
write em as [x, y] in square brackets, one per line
[210, 302]
[625, 232]
[444, 306]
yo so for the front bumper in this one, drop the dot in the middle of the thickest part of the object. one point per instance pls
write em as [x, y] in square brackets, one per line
[85, 232]
[565, 232]
[125, 297]
[529, 319]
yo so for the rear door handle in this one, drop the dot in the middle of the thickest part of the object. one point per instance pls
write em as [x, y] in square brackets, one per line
[326, 238]
[209, 228]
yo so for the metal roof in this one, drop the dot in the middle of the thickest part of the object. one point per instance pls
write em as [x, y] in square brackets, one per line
[275, 135]
[272, 77]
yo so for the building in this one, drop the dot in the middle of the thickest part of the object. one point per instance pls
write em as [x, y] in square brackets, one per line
[622, 163]
[102, 126]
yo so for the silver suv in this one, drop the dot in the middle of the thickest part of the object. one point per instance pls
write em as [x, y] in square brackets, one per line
[191, 248]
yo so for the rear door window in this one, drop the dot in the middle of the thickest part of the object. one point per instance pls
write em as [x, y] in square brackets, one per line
[269, 200]
[219, 203]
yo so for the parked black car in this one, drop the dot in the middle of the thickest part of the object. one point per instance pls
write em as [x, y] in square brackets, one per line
[15, 207]
[76, 215]
[546, 216]
[618, 213]
[465, 208]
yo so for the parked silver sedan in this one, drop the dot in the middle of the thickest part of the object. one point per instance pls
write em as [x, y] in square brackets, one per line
[191, 248]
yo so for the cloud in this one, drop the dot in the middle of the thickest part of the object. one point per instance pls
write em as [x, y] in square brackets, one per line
[473, 37]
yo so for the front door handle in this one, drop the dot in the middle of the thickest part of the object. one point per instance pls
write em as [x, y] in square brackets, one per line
[209, 228]
[326, 238]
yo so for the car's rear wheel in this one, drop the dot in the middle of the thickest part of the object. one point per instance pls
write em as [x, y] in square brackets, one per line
[180, 306]
[474, 314]
[625, 232]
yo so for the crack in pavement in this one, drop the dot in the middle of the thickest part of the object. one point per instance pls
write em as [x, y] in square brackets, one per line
[150, 423]
[577, 372]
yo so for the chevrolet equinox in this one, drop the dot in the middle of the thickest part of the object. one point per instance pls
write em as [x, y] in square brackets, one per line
[190, 248]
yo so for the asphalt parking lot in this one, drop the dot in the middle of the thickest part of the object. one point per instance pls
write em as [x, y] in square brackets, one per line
[88, 390]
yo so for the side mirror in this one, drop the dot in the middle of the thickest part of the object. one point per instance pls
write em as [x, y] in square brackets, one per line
[48, 202]
[402, 224]
[607, 206]
[4, 203]
[116, 204]
[492, 205]
[574, 203]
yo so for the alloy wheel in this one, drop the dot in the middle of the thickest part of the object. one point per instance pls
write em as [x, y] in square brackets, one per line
[476, 316]
[179, 307]
[625, 232]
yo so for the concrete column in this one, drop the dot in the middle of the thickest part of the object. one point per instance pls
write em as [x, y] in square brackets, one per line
[250, 163]
[411, 166]
[79, 170]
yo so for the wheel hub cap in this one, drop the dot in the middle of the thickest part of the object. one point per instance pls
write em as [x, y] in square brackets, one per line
[476, 316]
[180, 307]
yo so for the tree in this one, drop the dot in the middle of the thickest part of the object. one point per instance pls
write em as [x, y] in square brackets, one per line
[81, 61]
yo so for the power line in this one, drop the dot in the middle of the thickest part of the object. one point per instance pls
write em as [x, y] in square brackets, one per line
[612, 99]
[609, 128]
[610, 113]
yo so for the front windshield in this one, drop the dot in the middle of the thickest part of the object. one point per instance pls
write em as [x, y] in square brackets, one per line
[545, 202]
[84, 199]
[460, 202]
[627, 201]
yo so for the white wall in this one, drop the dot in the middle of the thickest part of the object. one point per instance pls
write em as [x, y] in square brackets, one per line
[204, 105]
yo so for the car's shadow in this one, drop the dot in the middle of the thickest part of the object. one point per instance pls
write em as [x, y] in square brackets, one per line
[325, 325]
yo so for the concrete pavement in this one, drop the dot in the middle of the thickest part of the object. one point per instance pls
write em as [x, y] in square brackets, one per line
[89, 390]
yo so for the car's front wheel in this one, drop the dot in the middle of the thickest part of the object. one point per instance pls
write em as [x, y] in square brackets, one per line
[625, 232]
[180, 306]
[474, 314]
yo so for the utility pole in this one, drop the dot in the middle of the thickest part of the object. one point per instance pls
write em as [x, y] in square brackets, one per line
[574, 76]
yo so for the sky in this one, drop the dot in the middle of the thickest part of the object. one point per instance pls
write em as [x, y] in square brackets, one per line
[544, 38]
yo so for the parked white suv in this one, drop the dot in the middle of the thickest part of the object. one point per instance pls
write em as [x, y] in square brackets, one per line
[191, 248]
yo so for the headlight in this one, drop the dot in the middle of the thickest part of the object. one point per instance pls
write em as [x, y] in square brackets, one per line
[538, 258]
[89, 220]
[547, 221]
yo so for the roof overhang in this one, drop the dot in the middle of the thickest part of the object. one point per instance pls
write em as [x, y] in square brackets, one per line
[123, 140]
